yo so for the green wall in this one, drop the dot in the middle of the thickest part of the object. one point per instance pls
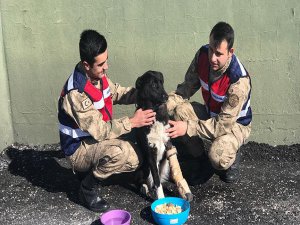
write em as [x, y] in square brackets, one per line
[41, 49]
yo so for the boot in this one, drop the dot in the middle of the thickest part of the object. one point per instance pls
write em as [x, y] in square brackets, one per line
[88, 195]
[232, 174]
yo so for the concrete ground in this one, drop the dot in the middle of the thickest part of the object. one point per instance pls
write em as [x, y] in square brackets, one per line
[38, 187]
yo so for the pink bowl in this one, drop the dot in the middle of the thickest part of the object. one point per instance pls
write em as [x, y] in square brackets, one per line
[116, 217]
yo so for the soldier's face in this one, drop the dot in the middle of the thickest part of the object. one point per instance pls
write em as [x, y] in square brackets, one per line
[219, 55]
[99, 67]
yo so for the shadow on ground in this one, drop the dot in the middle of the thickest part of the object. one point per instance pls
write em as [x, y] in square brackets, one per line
[41, 169]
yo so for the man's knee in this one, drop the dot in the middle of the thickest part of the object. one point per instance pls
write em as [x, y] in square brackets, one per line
[110, 162]
[222, 152]
[114, 158]
[184, 112]
[120, 157]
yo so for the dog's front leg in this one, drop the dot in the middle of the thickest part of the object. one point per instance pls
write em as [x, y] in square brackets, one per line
[176, 174]
[155, 181]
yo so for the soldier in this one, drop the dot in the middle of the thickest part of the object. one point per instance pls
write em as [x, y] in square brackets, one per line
[91, 139]
[225, 118]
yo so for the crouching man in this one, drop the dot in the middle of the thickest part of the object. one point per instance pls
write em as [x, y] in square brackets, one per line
[90, 138]
[224, 120]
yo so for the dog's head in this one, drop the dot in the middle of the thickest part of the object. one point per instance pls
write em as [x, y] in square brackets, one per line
[151, 91]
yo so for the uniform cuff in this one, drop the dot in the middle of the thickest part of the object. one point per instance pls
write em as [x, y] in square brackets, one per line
[126, 123]
[191, 128]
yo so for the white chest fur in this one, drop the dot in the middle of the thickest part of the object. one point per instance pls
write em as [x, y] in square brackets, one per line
[158, 137]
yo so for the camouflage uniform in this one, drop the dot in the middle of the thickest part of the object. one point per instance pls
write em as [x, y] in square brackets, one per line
[105, 152]
[223, 133]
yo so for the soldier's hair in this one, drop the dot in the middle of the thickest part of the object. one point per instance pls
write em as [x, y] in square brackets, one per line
[220, 32]
[91, 44]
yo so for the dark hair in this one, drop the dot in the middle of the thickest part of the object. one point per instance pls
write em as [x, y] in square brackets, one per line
[220, 32]
[91, 44]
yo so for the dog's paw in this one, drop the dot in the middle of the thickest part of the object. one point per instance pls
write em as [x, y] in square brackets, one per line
[144, 190]
[160, 192]
[189, 197]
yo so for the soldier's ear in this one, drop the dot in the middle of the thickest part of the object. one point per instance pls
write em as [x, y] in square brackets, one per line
[231, 51]
[86, 66]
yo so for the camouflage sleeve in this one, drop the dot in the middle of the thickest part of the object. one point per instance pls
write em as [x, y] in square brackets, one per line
[191, 83]
[89, 119]
[173, 101]
[122, 95]
[214, 127]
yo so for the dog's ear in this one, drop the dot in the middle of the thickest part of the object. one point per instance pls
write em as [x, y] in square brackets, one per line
[159, 76]
[140, 80]
[138, 83]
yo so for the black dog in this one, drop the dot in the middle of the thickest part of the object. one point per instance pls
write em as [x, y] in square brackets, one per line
[152, 139]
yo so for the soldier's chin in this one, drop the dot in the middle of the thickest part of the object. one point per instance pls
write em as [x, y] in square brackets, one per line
[215, 68]
[102, 75]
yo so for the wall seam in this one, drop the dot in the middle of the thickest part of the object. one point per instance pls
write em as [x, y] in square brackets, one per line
[7, 78]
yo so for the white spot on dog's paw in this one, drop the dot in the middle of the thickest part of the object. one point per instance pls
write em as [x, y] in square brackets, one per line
[160, 192]
[144, 190]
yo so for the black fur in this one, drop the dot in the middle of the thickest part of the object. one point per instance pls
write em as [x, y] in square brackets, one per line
[152, 95]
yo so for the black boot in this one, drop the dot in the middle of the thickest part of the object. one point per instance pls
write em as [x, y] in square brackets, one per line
[88, 196]
[232, 174]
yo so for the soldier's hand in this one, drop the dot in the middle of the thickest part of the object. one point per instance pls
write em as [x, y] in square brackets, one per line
[142, 118]
[178, 128]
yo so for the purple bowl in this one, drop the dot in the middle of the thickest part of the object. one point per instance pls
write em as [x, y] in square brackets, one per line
[116, 217]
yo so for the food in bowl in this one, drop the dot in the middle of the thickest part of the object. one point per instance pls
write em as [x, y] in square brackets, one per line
[171, 219]
[168, 208]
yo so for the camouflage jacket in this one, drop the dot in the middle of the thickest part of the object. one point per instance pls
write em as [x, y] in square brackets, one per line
[236, 96]
[79, 118]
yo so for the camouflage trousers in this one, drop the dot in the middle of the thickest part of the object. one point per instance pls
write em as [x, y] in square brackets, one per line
[222, 150]
[106, 158]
